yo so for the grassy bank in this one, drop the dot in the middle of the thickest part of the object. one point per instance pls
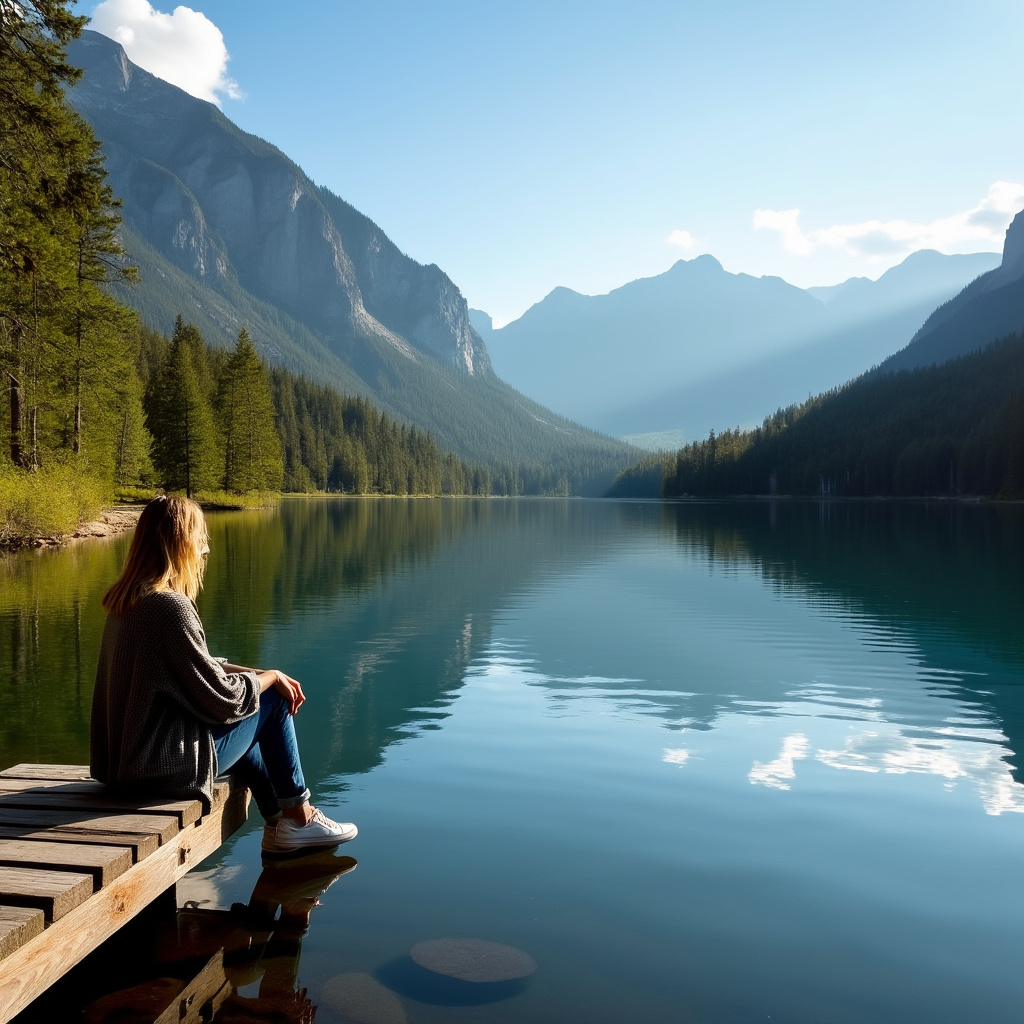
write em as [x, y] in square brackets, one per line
[52, 502]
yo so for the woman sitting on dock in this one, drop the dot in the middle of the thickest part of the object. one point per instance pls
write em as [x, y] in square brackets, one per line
[167, 717]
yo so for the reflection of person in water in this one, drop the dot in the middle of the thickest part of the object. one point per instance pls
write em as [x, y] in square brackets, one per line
[295, 888]
[236, 966]
[272, 924]
[167, 717]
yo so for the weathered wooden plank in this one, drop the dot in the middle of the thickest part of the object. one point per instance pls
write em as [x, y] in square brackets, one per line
[55, 893]
[66, 772]
[138, 844]
[17, 926]
[104, 863]
[33, 967]
[162, 826]
[50, 785]
[186, 811]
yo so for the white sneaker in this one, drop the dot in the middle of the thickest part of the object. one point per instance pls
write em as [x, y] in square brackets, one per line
[318, 831]
[269, 844]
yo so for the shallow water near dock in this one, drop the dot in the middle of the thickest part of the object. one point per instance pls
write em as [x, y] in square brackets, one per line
[711, 762]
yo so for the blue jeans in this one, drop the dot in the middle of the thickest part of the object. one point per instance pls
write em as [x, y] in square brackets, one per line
[261, 751]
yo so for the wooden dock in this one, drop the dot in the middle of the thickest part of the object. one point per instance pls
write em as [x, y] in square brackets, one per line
[76, 864]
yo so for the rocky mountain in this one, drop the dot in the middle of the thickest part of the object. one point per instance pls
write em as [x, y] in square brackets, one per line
[229, 232]
[225, 206]
[698, 347]
[989, 308]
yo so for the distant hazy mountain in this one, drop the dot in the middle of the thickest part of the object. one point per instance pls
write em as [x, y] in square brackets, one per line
[588, 355]
[698, 347]
[989, 308]
[229, 232]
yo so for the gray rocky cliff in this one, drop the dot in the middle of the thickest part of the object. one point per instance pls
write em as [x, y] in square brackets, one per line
[1012, 266]
[229, 208]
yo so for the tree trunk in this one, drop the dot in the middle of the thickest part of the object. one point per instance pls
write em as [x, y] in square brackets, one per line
[17, 421]
[33, 455]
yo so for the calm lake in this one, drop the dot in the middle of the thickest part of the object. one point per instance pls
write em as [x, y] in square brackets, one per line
[717, 762]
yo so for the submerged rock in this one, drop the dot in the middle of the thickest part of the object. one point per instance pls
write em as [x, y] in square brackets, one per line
[362, 1000]
[474, 960]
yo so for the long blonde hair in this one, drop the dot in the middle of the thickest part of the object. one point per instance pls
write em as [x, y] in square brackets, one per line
[165, 554]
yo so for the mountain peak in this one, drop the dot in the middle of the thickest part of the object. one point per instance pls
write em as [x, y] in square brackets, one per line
[704, 263]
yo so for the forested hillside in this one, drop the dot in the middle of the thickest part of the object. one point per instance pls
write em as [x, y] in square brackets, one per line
[222, 421]
[953, 429]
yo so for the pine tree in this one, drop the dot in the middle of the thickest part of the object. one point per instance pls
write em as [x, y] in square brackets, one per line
[185, 450]
[61, 336]
[245, 410]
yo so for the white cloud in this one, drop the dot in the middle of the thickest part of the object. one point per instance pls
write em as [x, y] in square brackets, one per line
[676, 756]
[184, 48]
[982, 226]
[682, 239]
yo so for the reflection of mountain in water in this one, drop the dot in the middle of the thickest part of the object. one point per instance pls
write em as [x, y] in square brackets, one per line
[381, 606]
[391, 604]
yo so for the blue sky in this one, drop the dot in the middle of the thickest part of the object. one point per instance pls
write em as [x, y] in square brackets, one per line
[525, 145]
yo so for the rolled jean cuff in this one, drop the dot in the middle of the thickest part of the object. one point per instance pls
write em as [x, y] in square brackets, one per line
[294, 801]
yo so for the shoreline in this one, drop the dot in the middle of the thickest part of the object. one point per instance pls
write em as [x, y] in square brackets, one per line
[118, 519]
[114, 520]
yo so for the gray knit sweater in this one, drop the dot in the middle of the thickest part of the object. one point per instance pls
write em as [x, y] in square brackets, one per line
[157, 693]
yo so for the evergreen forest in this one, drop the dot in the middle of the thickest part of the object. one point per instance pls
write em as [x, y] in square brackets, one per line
[946, 430]
[221, 421]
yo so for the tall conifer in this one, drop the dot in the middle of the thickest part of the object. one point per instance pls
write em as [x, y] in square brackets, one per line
[185, 438]
[245, 409]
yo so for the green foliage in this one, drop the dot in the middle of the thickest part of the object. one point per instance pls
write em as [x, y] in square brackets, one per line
[345, 445]
[185, 450]
[956, 428]
[245, 410]
[49, 503]
[72, 394]
[644, 480]
[235, 500]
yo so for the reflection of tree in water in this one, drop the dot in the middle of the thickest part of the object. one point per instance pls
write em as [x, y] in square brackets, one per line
[50, 623]
[269, 566]
[265, 567]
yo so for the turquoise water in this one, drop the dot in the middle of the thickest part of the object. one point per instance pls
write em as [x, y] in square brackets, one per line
[704, 762]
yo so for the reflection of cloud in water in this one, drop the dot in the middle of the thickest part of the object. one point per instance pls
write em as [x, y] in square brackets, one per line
[204, 888]
[677, 756]
[777, 773]
[897, 740]
[951, 754]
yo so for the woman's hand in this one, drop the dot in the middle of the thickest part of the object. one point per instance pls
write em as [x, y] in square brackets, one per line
[290, 689]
